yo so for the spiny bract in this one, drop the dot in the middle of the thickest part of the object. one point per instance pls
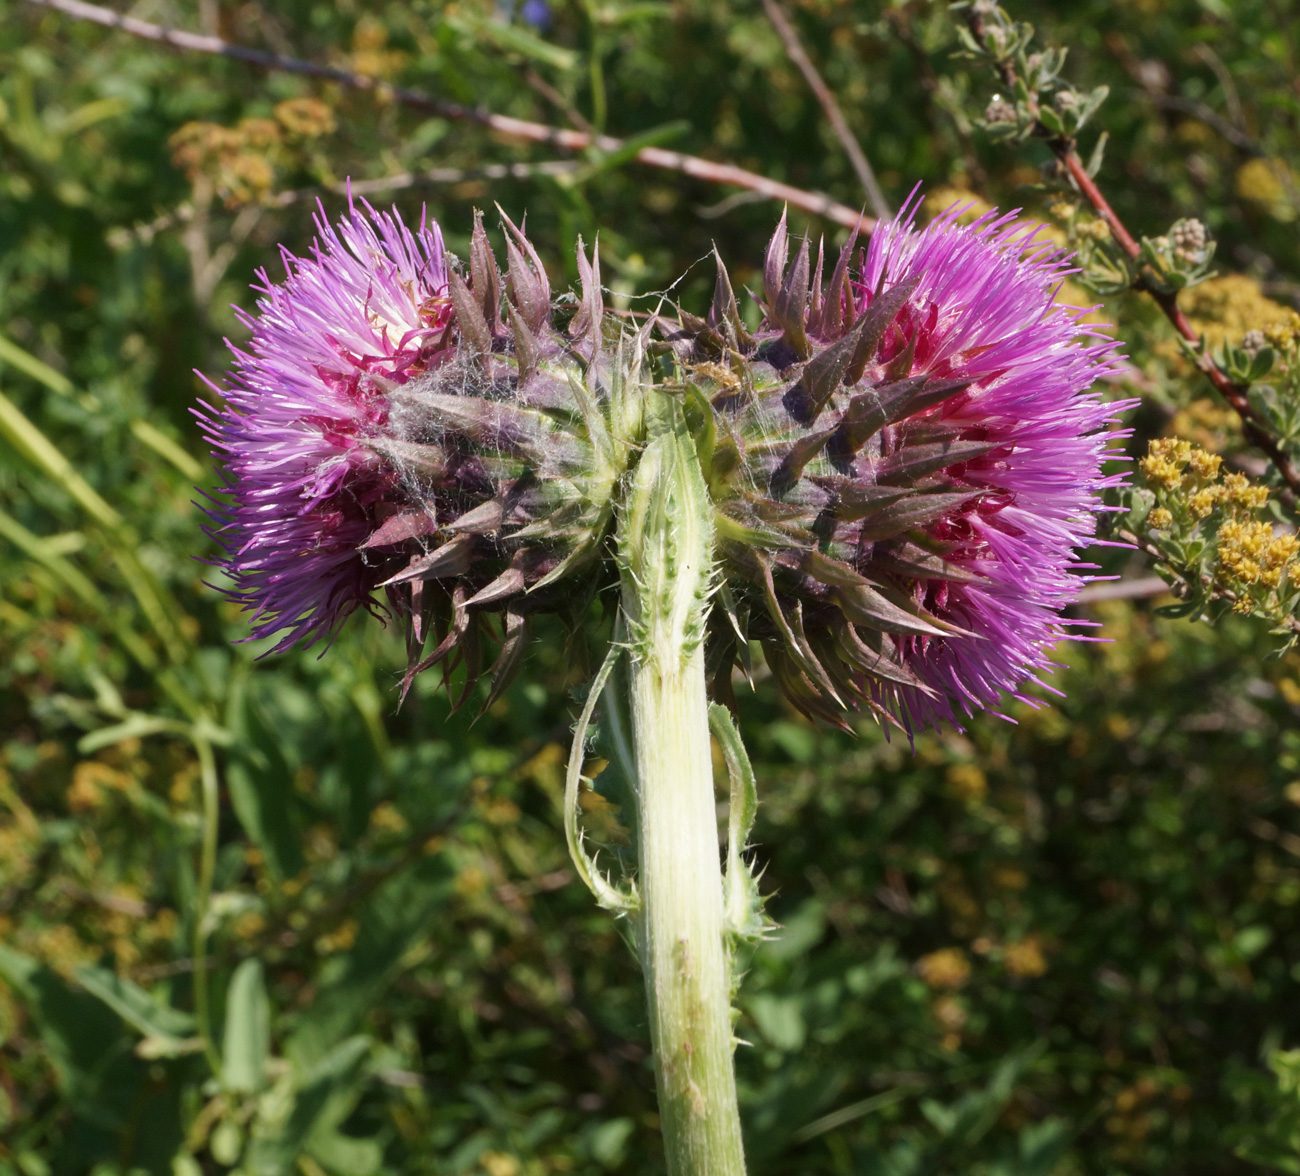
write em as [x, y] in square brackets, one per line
[904, 461]
[394, 425]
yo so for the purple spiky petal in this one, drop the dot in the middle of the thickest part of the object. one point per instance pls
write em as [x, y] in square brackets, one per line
[367, 310]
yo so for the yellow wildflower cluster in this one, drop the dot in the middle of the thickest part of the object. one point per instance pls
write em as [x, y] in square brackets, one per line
[1025, 959]
[1271, 184]
[240, 162]
[1285, 335]
[1190, 475]
[1206, 422]
[1163, 464]
[1177, 466]
[1251, 552]
[1241, 491]
[1224, 308]
[370, 53]
[1253, 560]
[1093, 230]
[305, 118]
[946, 968]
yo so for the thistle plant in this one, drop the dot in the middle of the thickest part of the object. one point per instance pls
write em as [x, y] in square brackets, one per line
[885, 486]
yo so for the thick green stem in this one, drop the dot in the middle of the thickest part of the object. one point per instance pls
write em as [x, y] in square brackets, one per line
[683, 932]
[666, 542]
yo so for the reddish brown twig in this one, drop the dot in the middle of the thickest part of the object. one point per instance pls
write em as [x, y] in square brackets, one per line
[816, 203]
[830, 107]
[1235, 394]
[1063, 147]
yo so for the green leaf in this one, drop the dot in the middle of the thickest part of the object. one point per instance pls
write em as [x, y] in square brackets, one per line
[227, 1142]
[780, 1020]
[608, 1142]
[88, 1044]
[1262, 364]
[345, 1154]
[321, 1097]
[27, 363]
[1042, 1146]
[1098, 154]
[247, 1042]
[134, 1005]
[1051, 120]
[518, 40]
[258, 777]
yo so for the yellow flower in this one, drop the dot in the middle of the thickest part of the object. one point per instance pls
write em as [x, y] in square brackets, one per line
[1162, 472]
[1271, 183]
[340, 939]
[1250, 552]
[967, 782]
[1206, 422]
[306, 117]
[1284, 334]
[946, 968]
[387, 819]
[1242, 492]
[500, 1164]
[1202, 503]
[89, 779]
[1024, 958]
[1225, 308]
[259, 133]
[1164, 462]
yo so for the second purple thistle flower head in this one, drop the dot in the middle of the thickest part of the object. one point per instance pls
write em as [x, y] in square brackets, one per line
[914, 456]
[903, 459]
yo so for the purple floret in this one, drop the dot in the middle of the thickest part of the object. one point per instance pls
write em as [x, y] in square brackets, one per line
[985, 310]
[304, 487]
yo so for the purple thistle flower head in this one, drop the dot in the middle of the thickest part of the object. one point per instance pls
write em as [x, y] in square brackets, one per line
[391, 424]
[909, 459]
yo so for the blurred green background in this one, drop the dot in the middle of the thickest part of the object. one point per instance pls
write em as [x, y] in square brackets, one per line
[1065, 945]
